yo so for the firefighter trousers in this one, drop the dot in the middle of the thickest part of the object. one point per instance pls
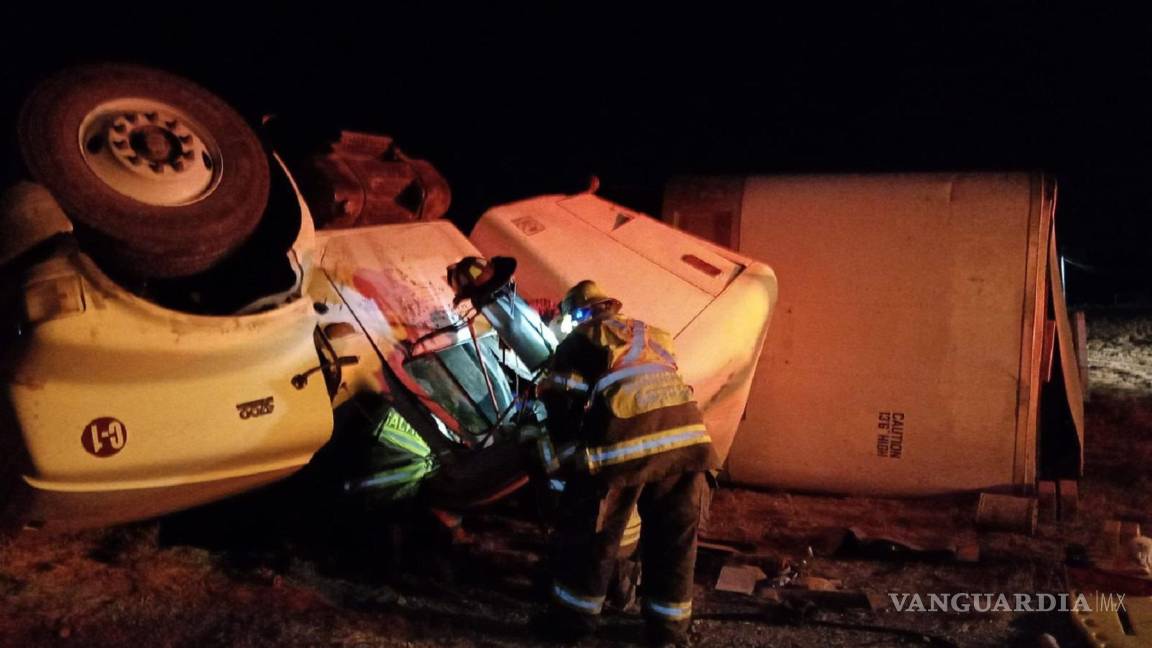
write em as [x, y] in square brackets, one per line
[592, 520]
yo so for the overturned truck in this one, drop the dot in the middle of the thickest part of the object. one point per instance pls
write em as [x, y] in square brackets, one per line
[177, 331]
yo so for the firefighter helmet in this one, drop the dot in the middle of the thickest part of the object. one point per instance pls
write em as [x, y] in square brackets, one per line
[477, 278]
[585, 294]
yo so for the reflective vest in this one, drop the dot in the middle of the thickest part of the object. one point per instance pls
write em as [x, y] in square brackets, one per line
[641, 375]
[636, 407]
[406, 463]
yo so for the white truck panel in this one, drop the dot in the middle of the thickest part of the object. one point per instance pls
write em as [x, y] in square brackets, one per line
[905, 359]
[719, 320]
[175, 384]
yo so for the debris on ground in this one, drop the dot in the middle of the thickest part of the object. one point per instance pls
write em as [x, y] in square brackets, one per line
[741, 579]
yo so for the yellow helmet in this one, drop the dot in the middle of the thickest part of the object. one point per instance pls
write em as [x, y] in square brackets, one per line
[584, 295]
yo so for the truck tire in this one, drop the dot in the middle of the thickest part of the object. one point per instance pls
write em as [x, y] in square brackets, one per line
[159, 176]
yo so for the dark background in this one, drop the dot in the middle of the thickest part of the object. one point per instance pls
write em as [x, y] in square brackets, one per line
[509, 103]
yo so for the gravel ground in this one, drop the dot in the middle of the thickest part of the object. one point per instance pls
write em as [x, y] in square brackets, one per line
[1120, 352]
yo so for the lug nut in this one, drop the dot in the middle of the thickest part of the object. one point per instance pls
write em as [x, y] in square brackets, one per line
[188, 155]
[155, 166]
[185, 139]
[131, 117]
[119, 128]
[135, 160]
[170, 124]
[120, 144]
[151, 116]
[178, 165]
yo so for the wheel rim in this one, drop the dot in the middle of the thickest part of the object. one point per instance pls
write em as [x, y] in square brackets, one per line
[150, 151]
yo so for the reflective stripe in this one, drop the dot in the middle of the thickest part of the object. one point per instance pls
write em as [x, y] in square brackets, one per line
[547, 455]
[556, 485]
[663, 353]
[639, 341]
[403, 474]
[643, 446]
[531, 432]
[632, 530]
[585, 604]
[617, 325]
[550, 459]
[403, 478]
[610, 379]
[403, 443]
[669, 610]
[566, 451]
[397, 432]
[569, 381]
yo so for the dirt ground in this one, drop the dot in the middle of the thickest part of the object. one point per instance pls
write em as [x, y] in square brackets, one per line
[277, 569]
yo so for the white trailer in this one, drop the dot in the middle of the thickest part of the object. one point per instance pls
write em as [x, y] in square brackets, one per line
[912, 351]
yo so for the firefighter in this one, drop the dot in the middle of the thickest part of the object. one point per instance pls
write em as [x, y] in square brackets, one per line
[626, 434]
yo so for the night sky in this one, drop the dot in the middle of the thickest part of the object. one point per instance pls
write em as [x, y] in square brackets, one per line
[509, 103]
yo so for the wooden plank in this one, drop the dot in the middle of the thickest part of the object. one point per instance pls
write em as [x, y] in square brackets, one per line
[1046, 348]
[1041, 206]
[1069, 363]
[1069, 490]
[1046, 495]
[1080, 325]
[1010, 513]
[741, 579]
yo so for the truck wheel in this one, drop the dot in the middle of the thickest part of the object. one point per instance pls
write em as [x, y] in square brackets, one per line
[159, 176]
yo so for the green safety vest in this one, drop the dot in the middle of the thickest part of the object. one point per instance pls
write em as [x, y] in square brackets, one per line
[408, 463]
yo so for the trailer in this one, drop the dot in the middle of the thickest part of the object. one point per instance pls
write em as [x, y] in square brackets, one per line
[921, 343]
